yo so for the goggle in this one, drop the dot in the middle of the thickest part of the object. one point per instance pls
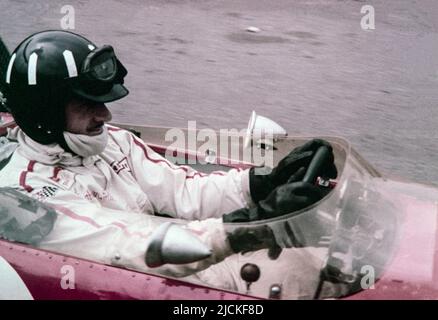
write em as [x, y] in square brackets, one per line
[100, 71]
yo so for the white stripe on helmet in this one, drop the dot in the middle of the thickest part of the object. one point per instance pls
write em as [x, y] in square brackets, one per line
[71, 64]
[32, 69]
[8, 72]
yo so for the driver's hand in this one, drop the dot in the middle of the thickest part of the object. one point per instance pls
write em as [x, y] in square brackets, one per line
[287, 170]
[283, 200]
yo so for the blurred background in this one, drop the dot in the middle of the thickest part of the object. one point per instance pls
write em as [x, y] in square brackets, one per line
[310, 67]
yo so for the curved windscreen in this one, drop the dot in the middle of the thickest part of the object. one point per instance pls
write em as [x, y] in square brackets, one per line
[335, 248]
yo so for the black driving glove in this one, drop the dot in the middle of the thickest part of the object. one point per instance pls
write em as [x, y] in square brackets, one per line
[253, 238]
[261, 185]
[283, 200]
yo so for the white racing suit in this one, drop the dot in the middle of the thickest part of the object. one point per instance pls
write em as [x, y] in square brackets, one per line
[106, 205]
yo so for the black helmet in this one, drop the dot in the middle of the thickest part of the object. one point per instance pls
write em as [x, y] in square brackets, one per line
[47, 69]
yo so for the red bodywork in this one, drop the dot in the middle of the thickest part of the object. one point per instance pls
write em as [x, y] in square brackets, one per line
[6, 121]
[412, 273]
[41, 272]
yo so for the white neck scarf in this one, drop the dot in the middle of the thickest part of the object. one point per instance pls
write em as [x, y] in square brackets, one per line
[51, 154]
[86, 146]
[54, 154]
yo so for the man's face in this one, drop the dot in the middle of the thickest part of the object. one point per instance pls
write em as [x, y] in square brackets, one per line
[86, 117]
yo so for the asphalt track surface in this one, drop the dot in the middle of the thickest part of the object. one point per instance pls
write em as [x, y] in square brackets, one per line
[311, 67]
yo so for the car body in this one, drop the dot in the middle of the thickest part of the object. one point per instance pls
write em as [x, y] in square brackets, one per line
[372, 237]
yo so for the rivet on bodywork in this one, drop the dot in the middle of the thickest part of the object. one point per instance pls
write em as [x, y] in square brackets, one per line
[275, 291]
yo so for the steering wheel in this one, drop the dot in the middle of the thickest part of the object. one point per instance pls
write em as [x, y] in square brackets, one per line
[317, 164]
[320, 158]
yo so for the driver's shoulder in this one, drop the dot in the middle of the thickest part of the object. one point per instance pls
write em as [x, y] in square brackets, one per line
[20, 171]
[120, 138]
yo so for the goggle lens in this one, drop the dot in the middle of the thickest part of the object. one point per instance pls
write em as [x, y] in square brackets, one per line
[99, 73]
[104, 70]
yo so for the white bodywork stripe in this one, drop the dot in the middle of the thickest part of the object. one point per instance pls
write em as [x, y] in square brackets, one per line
[12, 287]
[71, 64]
[8, 72]
[91, 47]
[32, 69]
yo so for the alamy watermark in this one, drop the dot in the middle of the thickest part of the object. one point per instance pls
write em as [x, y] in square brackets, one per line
[368, 21]
[68, 277]
[368, 277]
[225, 147]
[68, 20]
